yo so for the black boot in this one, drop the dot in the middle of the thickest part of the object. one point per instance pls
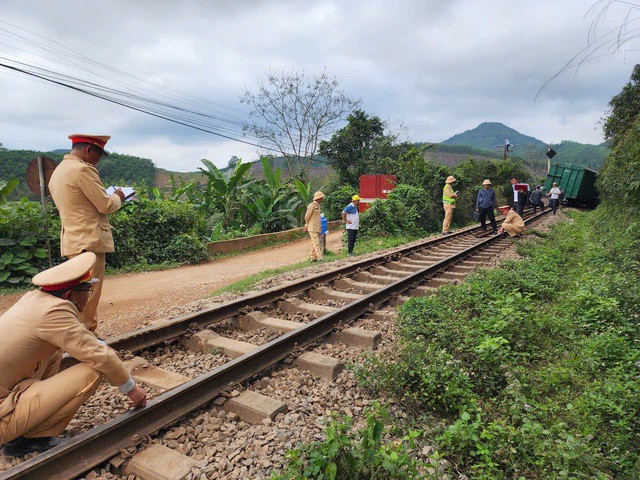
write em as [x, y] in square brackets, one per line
[23, 445]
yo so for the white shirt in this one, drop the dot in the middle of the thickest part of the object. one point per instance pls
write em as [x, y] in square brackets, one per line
[555, 193]
[515, 194]
[352, 214]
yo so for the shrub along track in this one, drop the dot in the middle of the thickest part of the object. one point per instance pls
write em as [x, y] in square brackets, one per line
[326, 303]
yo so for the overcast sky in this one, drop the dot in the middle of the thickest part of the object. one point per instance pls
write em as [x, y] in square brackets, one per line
[438, 67]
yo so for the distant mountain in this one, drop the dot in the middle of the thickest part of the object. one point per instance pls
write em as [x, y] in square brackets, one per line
[490, 135]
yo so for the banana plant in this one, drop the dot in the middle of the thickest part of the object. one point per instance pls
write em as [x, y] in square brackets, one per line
[272, 213]
[304, 193]
[6, 187]
[224, 190]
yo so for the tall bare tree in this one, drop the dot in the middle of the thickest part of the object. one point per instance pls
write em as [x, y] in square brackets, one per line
[294, 112]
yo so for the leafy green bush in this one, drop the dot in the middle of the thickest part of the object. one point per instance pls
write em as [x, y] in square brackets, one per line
[22, 241]
[156, 232]
[345, 455]
[334, 203]
[619, 178]
[388, 217]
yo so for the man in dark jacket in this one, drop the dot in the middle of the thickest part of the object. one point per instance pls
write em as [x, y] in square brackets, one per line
[536, 199]
[485, 205]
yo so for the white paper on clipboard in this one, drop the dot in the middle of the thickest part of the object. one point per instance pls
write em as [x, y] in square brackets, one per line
[129, 192]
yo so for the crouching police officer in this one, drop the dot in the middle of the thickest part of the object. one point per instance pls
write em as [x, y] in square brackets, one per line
[36, 401]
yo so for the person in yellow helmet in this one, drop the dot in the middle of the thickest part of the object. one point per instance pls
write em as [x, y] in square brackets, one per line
[351, 219]
[449, 203]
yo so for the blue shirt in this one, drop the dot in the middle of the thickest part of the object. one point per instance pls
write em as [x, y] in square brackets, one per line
[487, 199]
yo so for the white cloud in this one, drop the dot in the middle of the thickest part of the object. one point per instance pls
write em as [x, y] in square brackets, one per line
[440, 67]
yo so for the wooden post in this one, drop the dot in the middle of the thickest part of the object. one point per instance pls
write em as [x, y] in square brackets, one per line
[43, 200]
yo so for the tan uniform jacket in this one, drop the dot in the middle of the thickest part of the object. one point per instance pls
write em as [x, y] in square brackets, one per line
[312, 218]
[36, 327]
[513, 223]
[83, 204]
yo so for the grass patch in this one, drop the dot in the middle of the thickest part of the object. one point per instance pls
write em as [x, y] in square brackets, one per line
[531, 369]
[366, 245]
[249, 282]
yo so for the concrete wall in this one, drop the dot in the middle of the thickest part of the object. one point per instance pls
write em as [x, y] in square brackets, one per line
[246, 243]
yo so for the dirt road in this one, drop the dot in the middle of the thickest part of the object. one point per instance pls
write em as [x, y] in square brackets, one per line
[133, 300]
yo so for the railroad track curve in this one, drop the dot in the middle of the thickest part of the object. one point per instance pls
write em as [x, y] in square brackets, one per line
[326, 303]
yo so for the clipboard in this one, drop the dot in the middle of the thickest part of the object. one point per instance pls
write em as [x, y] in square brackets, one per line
[129, 192]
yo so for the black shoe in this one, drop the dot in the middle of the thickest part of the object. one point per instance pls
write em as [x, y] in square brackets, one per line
[23, 445]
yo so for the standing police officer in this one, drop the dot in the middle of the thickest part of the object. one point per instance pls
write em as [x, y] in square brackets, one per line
[449, 203]
[83, 203]
[312, 224]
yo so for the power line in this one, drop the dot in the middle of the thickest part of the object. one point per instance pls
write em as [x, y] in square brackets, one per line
[150, 97]
[118, 102]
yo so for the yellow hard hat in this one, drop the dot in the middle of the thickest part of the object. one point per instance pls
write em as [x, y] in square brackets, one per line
[355, 198]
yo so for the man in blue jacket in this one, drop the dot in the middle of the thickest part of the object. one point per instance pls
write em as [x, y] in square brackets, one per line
[486, 203]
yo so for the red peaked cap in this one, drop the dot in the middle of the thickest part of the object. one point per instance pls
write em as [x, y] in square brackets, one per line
[98, 140]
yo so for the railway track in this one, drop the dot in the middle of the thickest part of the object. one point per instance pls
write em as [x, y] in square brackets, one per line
[306, 310]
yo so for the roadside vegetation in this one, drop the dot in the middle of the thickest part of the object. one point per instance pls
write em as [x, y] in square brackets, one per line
[530, 370]
[166, 229]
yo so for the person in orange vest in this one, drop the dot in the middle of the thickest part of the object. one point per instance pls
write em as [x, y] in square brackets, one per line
[449, 203]
[313, 225]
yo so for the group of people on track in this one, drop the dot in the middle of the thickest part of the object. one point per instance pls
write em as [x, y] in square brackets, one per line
[37, 400]
[487, 205]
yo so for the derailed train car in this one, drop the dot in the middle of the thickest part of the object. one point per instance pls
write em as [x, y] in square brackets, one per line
[578, 183]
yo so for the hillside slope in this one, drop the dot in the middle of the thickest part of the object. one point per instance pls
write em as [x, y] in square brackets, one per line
[491, 135]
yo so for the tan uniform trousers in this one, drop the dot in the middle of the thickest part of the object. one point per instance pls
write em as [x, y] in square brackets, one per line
[316, 250]
[89, 315]
[47, 406]
[513, 230]
[448, 217]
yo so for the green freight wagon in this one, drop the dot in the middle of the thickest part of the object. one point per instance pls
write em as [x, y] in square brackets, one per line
[578, 183]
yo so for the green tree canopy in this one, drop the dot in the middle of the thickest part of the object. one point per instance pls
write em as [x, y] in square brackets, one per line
[352, 147]
[625, 108]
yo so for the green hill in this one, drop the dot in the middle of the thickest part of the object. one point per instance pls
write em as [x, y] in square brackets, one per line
[491, 135]
[581, 154]
[114, 169]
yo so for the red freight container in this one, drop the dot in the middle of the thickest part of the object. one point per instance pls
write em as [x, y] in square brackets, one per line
[386, 183]
[373, 187]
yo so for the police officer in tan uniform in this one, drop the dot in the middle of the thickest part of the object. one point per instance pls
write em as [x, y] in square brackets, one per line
[449, 203]
[312, 224]
[513, 223]
[37, 402]
[83, 204]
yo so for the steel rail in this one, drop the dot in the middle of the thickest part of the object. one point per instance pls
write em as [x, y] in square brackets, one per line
[85, 451]
[170, 329]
